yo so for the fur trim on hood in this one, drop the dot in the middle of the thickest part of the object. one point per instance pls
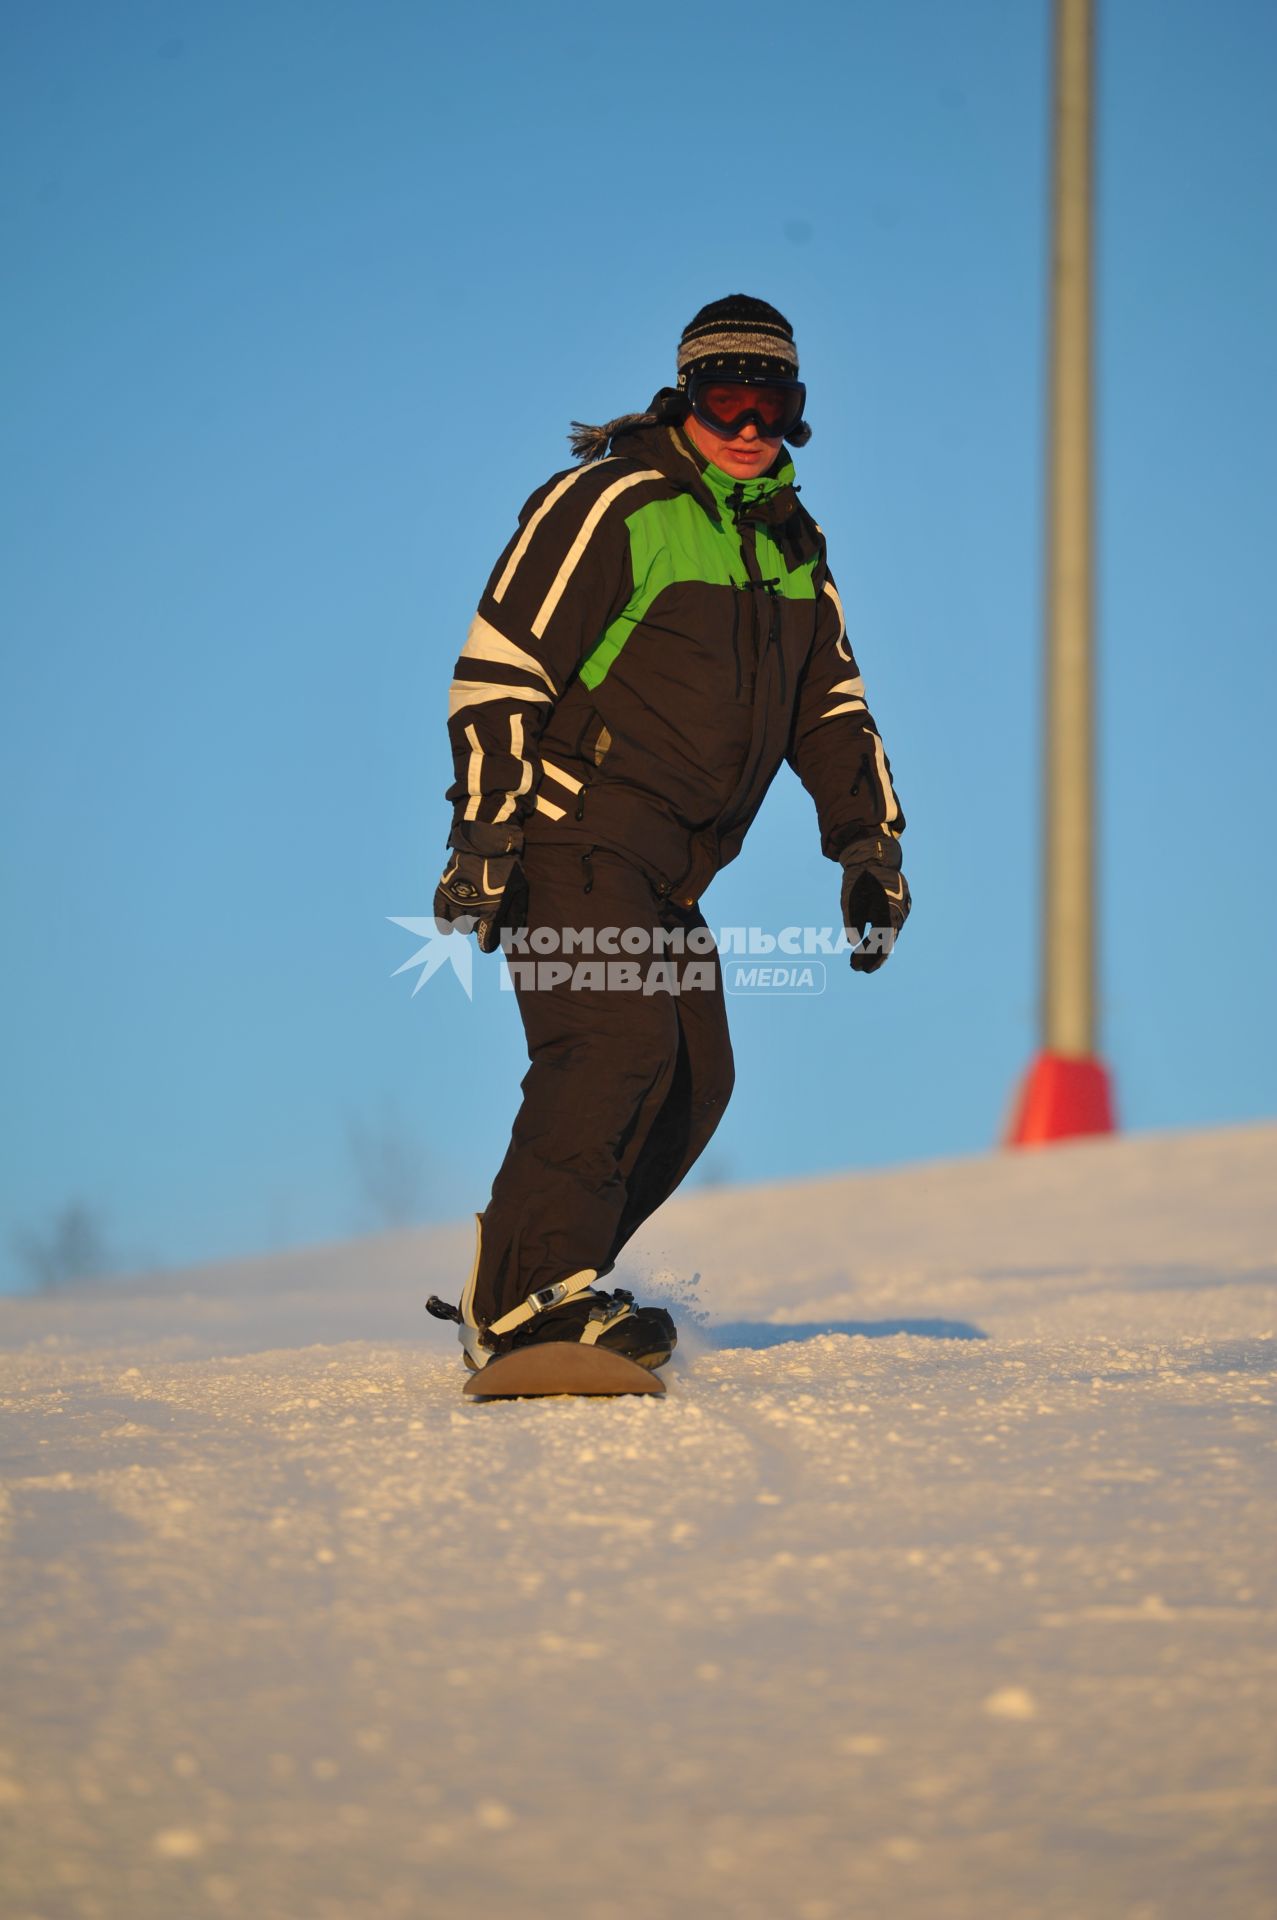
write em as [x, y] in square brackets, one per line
[591, 443]
[669, 407]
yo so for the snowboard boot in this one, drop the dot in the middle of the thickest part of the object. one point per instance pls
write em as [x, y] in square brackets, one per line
[572, 1310]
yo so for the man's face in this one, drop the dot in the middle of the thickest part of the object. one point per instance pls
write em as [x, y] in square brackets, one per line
[744, 455]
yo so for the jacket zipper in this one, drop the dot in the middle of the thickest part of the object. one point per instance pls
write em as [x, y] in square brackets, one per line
[749, 552]
[735, 500]
[774, 636]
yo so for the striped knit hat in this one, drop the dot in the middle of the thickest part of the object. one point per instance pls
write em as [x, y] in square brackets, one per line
[738, 338]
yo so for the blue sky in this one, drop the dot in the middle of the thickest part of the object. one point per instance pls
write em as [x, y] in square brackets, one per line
[301, 300]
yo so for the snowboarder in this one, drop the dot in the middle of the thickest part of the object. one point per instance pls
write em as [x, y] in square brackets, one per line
[660, 633]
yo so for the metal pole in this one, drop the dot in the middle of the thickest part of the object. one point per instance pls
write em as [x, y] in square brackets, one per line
[1068, 944]
[1067, 1089]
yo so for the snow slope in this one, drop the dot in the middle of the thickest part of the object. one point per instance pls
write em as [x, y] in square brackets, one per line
[964, 1610]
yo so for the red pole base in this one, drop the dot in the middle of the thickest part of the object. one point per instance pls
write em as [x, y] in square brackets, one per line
[1062, 1097]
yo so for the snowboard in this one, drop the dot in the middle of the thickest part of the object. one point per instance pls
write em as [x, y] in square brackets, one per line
[560, 1366]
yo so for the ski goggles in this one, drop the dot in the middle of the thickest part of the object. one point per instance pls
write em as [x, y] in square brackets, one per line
[725, 406]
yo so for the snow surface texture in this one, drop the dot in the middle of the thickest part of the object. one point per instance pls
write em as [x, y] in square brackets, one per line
[963, 1612]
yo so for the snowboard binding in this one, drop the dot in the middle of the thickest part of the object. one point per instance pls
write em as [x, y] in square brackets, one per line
[571, 1311]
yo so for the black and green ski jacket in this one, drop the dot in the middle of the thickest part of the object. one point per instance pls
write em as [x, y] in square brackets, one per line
[653, 642]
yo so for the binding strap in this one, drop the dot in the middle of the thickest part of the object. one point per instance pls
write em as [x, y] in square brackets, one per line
[543, 1299]
[600, 1320]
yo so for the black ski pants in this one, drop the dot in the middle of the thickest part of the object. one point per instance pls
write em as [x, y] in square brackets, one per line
[625, 1087]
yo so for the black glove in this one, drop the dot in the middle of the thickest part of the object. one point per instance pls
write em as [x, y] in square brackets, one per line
[877, 898]
[483, 892]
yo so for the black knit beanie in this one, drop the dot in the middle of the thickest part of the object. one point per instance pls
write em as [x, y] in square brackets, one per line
[738, 338]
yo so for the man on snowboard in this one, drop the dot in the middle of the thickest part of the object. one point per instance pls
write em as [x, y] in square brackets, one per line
[660, 633]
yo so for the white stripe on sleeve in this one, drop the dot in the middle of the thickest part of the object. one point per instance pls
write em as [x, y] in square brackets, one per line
[484, 642]
[477, 693]
[888, 791]
[582, 541]
[855, 701]
[525, 778]
[841, 642]
[474, 775]
[525, 538]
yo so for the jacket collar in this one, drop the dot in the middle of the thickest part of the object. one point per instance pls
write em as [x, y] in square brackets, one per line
[667, 448]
